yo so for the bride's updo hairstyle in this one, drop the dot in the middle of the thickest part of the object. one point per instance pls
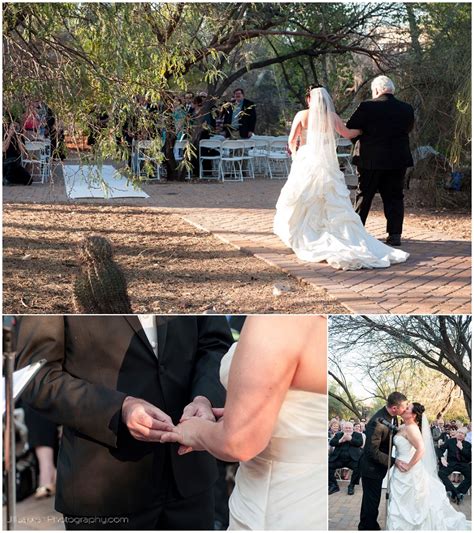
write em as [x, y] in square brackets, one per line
[311, 87]
[418, 411]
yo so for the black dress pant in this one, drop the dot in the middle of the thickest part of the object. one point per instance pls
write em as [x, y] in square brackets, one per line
[170, 512]
[344, 463]
[369, 510]
[389, 183]
[194, 513]
[464, 468]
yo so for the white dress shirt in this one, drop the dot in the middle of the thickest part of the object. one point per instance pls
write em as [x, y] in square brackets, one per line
[149, 327]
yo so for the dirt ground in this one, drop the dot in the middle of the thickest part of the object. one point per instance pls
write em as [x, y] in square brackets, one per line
[455, 224]
[170, 266]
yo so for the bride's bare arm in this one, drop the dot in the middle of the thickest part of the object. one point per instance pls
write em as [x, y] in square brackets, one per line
[295, 132]
[343, 130]
[416, 440]
[263, 368]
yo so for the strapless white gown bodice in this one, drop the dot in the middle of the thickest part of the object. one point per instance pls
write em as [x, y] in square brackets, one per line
[314, 216]
[280, 488]
[418, 500]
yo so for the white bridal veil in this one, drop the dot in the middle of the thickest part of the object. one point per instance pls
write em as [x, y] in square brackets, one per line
[321, 137]
[429, 458]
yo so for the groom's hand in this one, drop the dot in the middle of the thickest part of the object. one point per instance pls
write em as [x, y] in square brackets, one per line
[200, 407]
[145, 421]
[401, 465]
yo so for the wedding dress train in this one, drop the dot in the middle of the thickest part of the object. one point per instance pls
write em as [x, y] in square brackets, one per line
[418, 499]
[314, 214]
[284, 487]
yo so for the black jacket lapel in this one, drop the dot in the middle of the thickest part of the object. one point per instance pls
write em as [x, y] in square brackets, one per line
[161, 329]
[136, 325]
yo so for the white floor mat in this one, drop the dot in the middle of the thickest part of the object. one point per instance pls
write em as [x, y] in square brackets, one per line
[83, 181]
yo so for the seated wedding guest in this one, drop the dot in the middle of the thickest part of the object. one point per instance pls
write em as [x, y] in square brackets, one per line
[333, 428]
[469, 433]
[436, 431]
[458, 459]
[116, 383]
[346, 454]
[445, 434]
[358, 429]
[12, 147]
[240, 118]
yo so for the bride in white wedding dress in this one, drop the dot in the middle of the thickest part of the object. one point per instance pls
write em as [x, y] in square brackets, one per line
[274, 424]
[418, 499]
[314, 214]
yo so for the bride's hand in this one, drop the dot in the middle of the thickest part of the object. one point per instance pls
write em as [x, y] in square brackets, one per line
[186, 434]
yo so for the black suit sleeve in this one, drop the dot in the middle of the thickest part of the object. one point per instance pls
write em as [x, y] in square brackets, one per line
[357, 440]
[90, 409]
[358, 118]
[466, 451]
[334, 442]
[373, 449]
[214, 341]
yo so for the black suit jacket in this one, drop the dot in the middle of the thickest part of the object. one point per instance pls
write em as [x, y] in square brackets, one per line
[374, 461]
[247, 119]
[354, 446]
[450, 445]
[385, 123]
[94, 362]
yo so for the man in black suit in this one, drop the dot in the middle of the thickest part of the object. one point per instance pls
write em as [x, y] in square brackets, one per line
[382, 154]
[458, 460]
[116, 383]
[347, 446]
[241, 117]
[376, 459]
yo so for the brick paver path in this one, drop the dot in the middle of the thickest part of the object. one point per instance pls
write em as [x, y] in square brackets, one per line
[344, 510]
[435, 279]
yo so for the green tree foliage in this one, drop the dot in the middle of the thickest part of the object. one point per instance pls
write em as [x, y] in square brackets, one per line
[90, 59]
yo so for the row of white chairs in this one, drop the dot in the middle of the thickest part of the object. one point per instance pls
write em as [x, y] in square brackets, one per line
[236, 160]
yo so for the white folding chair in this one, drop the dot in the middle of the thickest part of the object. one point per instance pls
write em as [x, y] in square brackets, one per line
[205, 154]
[178, 151]
[230, 165]
[39, 157]
[248, 170]
[260, 154]
[143, 154]
[344, 154]
[278, 159]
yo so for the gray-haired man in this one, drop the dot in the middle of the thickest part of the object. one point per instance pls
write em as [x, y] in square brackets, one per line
[382, 154]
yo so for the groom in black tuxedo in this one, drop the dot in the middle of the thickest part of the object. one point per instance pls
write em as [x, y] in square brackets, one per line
[382, 154]
[375, 459]
[114, 382]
